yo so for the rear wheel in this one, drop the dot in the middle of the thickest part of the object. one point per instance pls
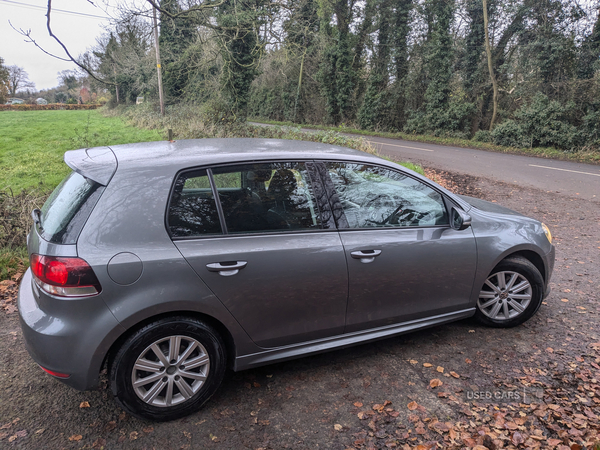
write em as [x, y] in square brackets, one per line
[168, 369]
[511, 294]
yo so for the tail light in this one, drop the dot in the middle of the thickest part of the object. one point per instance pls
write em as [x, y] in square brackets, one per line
[64, 277]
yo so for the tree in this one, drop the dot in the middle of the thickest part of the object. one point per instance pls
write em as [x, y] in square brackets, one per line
[4, 81]
[488, 52]
[177, 33]
[18, 79]
[239, 24]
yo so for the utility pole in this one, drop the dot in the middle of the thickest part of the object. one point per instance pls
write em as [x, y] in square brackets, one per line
[160, 88]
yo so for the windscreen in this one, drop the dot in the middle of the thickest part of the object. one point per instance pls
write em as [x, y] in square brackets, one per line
[67, 209]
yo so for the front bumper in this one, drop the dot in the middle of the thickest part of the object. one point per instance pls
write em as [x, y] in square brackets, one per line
[550, 258]
[66, 335]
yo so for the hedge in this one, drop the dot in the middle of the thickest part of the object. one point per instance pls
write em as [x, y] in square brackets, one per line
[52, 106]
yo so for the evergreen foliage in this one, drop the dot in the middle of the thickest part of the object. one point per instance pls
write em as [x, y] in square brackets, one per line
[413, 65]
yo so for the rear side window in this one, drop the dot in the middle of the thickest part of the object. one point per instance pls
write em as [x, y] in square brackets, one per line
[252, 198]
[67, 209]
[192, 211]
[266, 197]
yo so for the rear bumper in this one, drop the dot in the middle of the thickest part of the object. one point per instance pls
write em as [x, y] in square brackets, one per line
[69, 336]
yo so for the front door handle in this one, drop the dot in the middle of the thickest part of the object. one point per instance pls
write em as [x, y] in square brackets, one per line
[366, 256]
[227, 268]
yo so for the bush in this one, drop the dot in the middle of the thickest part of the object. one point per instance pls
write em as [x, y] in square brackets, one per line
[453, 121]
[541, 123]
[546, 123]
[49, 107]
[483, 136]
[509, 134]
[15, 216]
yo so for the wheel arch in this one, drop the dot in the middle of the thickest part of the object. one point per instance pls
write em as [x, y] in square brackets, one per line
[209, 320]
[532, 257]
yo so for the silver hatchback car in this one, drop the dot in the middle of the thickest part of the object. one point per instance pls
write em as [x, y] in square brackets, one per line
[172, 261]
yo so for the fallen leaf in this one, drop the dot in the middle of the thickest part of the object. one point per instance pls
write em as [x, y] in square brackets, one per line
[358, 404]
[76, 437]
[455, 375]
[435, 383]
[427, 365]
[99, 443]
[440, 369]
[471, 331]
[148, 429]
[413, 361]
[84, 405]
[213, 437]
[468, 361]
[134, 435]
[564, 300]
[338, 427]
[413, 405]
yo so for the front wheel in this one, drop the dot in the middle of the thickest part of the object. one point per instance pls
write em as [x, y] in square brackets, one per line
[511, 294]
[168, 369]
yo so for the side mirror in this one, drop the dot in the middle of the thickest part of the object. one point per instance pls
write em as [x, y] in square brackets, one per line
[459, 220]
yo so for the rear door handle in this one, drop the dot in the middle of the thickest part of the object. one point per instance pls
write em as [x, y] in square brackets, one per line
[227, 268]
[366, 256]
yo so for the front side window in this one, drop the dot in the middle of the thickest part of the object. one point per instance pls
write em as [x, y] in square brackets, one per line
[266, 197]
[375, 197]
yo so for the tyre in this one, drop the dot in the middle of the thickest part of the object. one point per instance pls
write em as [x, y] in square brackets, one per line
[511, 294]
[168, 369]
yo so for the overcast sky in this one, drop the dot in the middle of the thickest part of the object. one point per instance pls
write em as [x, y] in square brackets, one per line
[76, 29]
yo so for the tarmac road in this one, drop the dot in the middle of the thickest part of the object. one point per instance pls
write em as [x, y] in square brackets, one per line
[562, 177]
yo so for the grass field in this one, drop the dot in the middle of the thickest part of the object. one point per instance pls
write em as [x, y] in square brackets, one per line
[32, 143]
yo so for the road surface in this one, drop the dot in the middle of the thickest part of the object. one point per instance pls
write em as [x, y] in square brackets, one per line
[564, 177]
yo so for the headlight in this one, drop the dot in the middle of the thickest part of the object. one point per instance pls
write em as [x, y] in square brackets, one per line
[547, 232]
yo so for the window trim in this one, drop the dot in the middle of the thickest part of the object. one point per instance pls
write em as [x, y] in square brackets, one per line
[445, 199]
[221, 214]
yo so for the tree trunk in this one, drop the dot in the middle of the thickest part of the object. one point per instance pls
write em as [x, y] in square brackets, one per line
[490, 64]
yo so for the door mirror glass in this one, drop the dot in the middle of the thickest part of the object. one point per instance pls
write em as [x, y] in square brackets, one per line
[460, 219]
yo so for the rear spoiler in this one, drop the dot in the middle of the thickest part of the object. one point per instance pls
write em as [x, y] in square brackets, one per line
[98, 164]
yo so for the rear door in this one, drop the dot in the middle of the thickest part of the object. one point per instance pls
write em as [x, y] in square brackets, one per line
[255, 234]
[405, 262]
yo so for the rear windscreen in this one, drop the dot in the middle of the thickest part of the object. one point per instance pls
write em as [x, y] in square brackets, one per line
[67, 209]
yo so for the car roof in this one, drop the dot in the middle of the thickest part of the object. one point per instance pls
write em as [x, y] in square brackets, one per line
[214, 151]
[100, 163]
[165, 158]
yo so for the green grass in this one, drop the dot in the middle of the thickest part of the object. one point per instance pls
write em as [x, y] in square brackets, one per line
[32, 143]
[590, 157]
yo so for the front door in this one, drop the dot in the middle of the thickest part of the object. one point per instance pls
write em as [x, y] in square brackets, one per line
[404, 260]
